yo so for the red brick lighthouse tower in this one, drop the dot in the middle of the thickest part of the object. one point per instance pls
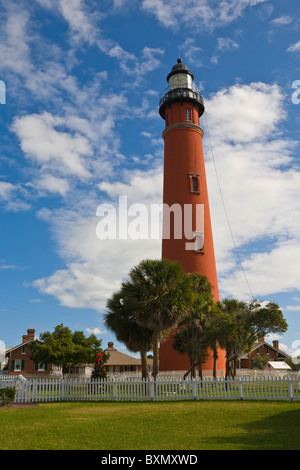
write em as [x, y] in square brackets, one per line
[187, 232]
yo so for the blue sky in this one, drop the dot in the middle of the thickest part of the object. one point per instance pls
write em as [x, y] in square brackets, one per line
[81, 127]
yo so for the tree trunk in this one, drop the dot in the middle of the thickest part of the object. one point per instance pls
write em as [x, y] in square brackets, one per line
[215, 350]
[155, 354]
[200, 367]
[190, 369]
[193, 371]
[227, 369]
[65, 369]
[145, 369]
[193, 364]
[235, 366]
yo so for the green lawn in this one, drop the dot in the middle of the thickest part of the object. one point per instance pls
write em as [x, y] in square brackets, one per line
[152, 426]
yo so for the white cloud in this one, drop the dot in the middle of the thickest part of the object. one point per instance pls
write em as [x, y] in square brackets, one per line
[223, 45]
[205, 13]
[76, 13]
[294, 47]
[89, 283]
[84, 28]
[52, 184]
[11, 197]
[191, 52]
[43, 68]
[133, 65]
[226, 44]
[293, 308]
[245, 113]
[44, 141]
[282, 20]
[95, 331]
[269, 272]
[6, 190]
[14, 49]
[94, 267]
[77, 141]
[259, 184]
[147, 185]
[30, 62]
[11, 266]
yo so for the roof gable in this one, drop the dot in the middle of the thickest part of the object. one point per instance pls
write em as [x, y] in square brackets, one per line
[258, 345]
[18, 346]
[118, 358]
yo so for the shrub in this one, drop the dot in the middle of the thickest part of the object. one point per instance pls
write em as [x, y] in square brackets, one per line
[260, 362]
[7, 395]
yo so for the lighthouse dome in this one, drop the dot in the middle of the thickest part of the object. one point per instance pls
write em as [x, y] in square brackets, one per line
[181, 88]
[180, 67]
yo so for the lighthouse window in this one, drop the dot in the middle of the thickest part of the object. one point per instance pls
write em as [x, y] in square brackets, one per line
[188, 114]
[199, 242]
[194, 183]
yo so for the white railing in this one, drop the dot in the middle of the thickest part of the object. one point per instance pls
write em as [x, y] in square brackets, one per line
[163, 389]
[267, 373]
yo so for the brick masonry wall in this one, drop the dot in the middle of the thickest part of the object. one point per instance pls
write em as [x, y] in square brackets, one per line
[264, 351]
[22, 353]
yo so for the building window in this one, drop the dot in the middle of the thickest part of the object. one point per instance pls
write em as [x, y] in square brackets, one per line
[194, 183]
[257, 351]
[17, 365]
[23, 351]
[188, 114]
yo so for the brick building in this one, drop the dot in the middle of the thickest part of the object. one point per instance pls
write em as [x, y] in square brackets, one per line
[18, 358]
[262, 349]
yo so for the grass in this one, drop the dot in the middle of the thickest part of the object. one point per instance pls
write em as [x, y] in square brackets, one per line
[152, 426]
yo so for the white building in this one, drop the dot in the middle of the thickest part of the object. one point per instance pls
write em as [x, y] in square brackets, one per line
[277, 367]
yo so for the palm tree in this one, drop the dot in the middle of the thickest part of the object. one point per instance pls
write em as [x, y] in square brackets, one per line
[212, 334]
[121, 321]
[160, 293]
[234, 330]
[191, 338]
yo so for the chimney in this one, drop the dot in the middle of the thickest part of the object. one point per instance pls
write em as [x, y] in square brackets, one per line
[30, 335]
[110, 345]
[261, 339]
[276, 344]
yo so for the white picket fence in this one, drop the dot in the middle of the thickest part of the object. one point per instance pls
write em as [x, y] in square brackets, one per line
[163, 389]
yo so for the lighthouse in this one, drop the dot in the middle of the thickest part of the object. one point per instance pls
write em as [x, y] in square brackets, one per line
[187, 231]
